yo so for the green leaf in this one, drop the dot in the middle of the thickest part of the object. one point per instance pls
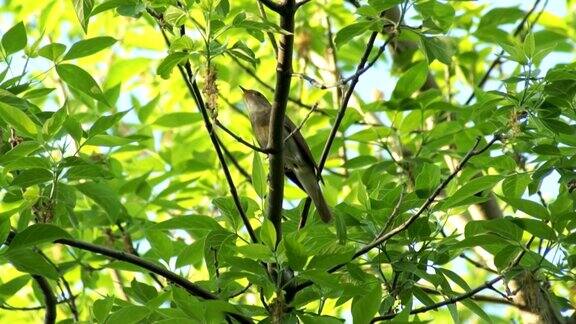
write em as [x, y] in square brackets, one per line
[55, 122]
[160, 243]
[80, 80]
[476, 310]
[27, 178]
[411, 80]
[83, 10]
[37, 234]
[167, 65]
[104, 197]
[88, 47]
[427, 180]
[101, 308]
[131, 9]
[472, 187]
[536, 227]
[145, 110]
[29, 261]
[515, 185]
[108, 141]
[381, 5]
[194, 223]
[178, 119]
[11, 287]
[546, 149]
[347, 33]
[129, 314]
[529, 45]
[437, 48]
[365, 306]
[28, 162]
[191, 254]
[257, 252]
[258, 176]
[502, 226]
[105, 122]
[296, 252]
[17, 119]
[529, 207]
[14, 39]
[455, 278]
[268, 234]
[52, 51]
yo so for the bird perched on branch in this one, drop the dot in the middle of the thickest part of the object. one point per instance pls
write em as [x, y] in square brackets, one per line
[299, 163]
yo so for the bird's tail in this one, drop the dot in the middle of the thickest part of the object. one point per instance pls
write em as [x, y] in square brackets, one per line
[308, 180]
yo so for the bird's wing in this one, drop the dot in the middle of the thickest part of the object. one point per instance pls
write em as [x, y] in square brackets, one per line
[289, 127]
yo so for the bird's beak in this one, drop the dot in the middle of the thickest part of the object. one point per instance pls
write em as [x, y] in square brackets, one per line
[243, 89]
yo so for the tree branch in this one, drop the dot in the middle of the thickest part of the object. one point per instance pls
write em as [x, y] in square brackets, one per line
[443, 303]
[483, 298]
[241, 140]
[270, 4]
[276, 136]
[49, 299]
[189, 80]
[8, 307]
[189, 286]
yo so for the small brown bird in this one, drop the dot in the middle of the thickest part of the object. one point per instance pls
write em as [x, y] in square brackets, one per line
[299, 163]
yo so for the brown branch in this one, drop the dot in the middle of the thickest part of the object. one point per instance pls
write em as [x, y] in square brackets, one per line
[8, 307]
[443, 303]
[188, 78]
[241, 140]
[276, 7]
[189, 286]
[194, 91]
[301, 3]
[49, 299]
[297, 129]
[483, 298]
[277, 115]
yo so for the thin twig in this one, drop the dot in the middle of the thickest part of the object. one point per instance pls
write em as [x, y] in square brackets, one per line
[297, 129]
[240, 139]
[8, 307]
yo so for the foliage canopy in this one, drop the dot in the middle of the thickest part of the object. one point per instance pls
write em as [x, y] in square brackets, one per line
[129, 191]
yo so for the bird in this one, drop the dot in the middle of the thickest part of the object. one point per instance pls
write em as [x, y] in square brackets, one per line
[299, 164]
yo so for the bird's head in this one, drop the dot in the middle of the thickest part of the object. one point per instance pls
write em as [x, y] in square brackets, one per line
[255, 101]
